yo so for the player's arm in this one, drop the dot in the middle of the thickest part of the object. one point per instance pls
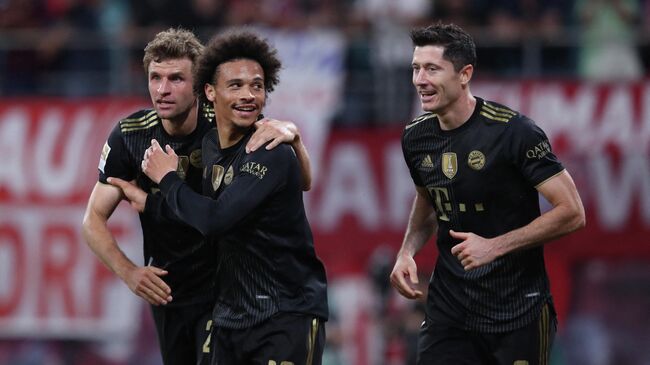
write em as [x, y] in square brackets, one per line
[143, 281]
[566, 216]
[277, 132]
[247, 191]
[153, 204]
[304, 161]
[421, 226]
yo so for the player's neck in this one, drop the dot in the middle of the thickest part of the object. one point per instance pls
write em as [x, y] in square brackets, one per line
[229, 133]
[183, 124]
[458, 113]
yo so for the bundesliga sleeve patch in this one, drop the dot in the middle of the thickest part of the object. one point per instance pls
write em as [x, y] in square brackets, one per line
[104, 156]
[256, 169]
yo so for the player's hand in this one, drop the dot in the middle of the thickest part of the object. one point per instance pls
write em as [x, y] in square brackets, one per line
[146, 283]
[404, 277]
[273, 130]
[473, 251]
[157, 163]
[133, 194]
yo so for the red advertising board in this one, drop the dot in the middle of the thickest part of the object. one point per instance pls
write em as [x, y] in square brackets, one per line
[51, 285]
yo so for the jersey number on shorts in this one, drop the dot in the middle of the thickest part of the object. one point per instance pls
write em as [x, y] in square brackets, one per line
[206, 344]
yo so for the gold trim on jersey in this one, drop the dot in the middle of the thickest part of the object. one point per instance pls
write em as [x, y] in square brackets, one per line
[496, 113]
[146, 116]
[146, 121]
[549, 178]
[500, 109]
[420, 119]
[207, 106]
[208, 111]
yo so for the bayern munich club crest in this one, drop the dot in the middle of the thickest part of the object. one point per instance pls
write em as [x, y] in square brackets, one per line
[476, 160]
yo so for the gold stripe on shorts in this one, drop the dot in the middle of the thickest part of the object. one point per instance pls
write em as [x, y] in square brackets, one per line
[311, 345]
[544, 329]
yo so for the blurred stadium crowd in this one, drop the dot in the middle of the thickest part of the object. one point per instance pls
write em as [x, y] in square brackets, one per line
[79, 48]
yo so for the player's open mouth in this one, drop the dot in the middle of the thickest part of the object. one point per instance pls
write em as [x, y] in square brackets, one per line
[427, 95]
[245, 108]
[246, 111]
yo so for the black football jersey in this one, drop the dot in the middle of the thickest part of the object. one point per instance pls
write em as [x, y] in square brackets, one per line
[168, 243]
[481, 178]
[254, 212]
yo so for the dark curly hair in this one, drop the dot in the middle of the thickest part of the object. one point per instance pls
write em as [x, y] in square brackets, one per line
[458, 44]
[237, 45]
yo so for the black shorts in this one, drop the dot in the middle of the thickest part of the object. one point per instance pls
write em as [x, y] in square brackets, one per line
[183, 333]
[530, 345]
[284, 339]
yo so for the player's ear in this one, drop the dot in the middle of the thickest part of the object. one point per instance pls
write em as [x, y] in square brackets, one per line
[209, 92]
[466, 74]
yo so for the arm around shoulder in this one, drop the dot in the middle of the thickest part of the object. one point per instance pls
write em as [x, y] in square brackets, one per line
[273, 132]
[304, 161]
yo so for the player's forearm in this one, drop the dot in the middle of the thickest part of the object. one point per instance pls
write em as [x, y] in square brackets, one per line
[157, 207]
[103, 244]
[415, 239]
[304, 161]
[557, 222]
[422, 225]
[201, 212]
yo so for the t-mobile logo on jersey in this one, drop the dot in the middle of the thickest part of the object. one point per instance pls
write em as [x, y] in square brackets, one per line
[444, 205]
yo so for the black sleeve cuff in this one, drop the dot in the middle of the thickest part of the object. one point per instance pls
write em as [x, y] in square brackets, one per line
[151, 202]
[168, 182]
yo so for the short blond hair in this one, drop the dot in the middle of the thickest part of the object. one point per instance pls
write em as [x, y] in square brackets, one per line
[171, 44]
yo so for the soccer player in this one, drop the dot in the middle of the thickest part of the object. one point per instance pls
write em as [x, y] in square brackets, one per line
[478, 167]
[271, 286]
[179, 279]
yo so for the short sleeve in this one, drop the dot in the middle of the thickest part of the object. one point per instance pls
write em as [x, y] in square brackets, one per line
[114, 160]
[530, 151]
[407, 158]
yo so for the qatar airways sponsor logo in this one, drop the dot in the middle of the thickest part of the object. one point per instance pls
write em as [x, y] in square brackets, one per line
[539, 150]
